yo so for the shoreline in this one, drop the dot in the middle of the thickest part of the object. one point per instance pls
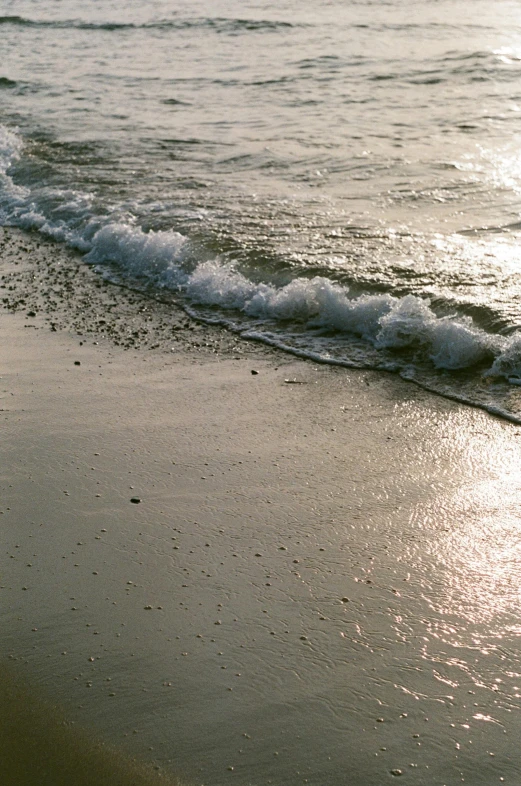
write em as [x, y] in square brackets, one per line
[286, 602]
[69, 294]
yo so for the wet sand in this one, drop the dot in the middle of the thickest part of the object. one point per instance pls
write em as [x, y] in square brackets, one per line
[40, 747]
[300, 575]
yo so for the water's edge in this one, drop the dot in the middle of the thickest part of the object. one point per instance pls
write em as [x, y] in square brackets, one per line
[46, 280]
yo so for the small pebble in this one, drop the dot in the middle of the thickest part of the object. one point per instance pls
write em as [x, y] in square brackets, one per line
[135, 500]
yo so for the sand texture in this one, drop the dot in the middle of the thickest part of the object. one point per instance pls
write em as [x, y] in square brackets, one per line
[318, 578]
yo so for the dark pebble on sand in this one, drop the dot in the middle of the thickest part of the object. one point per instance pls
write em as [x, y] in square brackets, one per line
[254, 372]
[135, 500]
[77, 363]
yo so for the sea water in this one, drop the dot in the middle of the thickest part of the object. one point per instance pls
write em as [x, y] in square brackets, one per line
[341, 180]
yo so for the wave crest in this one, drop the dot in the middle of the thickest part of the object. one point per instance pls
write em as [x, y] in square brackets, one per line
[166, 259]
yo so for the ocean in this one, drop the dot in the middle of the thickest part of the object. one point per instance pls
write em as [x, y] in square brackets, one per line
[342, 181]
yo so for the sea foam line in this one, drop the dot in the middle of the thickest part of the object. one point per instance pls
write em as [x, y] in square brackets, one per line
[385, 321]
[165, 259]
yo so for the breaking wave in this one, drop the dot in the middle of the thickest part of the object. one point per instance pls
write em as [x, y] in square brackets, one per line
[407, 327]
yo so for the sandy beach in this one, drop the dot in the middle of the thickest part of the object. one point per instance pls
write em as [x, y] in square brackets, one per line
[298, 575]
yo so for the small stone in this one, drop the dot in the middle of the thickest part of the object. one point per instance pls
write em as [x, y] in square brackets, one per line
[345, 600]
[147, 607]
[396, 773]
[77, 363]
[135, 500]
[254, 373]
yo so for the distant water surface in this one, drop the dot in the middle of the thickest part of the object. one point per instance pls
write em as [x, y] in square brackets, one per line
[340, 179]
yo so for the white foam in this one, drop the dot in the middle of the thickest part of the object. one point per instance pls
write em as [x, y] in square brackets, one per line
[405, 324]
[301, 300]
[362, 315]
[215, 284]
[156, 255]
[451, 342]
[11, 145]
[508, 363]
[317, 301]
[386, 321]
[164, 257]
[459, 343]
[11, 195]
